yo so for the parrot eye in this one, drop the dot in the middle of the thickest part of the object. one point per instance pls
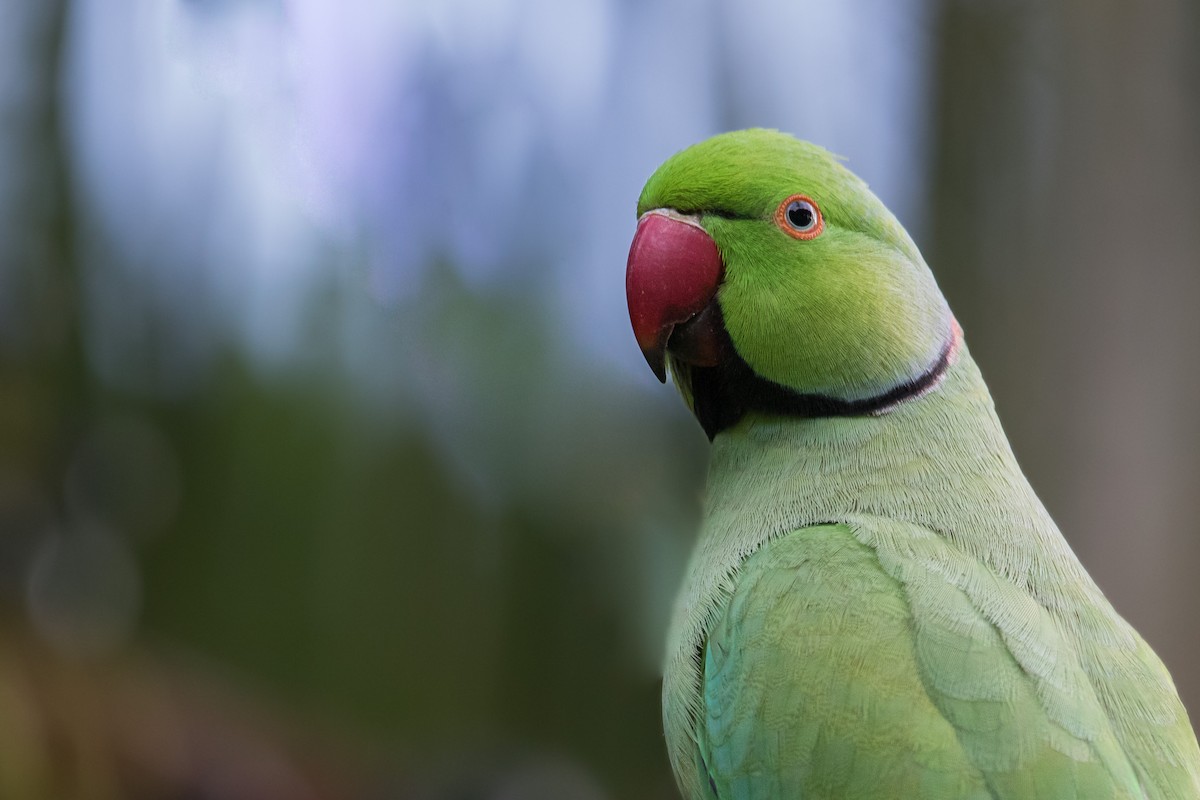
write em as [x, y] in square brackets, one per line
[799, 217]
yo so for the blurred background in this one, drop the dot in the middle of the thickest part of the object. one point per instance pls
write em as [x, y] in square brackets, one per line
[328, 465]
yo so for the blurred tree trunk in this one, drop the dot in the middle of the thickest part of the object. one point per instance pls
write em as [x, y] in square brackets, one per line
[1067, 182]
[43, 380]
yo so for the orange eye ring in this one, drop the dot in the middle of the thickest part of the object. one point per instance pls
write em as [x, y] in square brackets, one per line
[799, 217]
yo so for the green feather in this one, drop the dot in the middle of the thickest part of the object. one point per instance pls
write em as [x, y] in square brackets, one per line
[879, 606]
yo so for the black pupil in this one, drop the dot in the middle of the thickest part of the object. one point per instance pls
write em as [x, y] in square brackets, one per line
[800, 215]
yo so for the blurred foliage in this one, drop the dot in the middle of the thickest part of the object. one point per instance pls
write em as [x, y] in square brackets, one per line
[259, 583]
[180, 566]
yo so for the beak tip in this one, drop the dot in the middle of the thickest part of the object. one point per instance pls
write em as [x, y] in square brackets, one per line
[656, 358]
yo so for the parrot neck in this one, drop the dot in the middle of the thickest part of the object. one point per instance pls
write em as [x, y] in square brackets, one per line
[939, 460]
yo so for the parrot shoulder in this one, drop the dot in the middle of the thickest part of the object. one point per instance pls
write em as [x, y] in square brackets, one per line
[872, 658]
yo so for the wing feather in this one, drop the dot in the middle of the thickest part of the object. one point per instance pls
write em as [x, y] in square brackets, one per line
[874, 660]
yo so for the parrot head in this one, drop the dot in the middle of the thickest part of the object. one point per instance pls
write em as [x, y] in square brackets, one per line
[769, 278]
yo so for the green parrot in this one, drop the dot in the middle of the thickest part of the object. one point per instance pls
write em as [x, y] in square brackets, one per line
[878, 606]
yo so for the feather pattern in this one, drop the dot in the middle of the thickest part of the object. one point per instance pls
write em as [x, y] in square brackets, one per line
[911, 546]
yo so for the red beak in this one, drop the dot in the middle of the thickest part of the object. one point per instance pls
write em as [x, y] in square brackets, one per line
[672, 276]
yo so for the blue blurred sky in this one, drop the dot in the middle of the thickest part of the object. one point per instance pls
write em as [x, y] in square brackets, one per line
[239, 156]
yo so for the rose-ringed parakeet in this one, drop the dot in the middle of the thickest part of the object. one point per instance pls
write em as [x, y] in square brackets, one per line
[878, 605]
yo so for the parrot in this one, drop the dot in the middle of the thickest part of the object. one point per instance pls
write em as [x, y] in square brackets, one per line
[877, 604]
